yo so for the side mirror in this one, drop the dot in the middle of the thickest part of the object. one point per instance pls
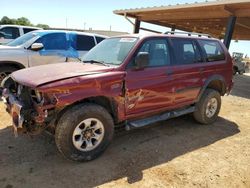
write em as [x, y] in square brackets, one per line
[141, 60]
[36, 46]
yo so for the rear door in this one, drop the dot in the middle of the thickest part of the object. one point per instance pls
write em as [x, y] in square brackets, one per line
[187, 69]
[149, 90]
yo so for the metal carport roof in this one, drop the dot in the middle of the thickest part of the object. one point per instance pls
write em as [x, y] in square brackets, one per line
[213, 17]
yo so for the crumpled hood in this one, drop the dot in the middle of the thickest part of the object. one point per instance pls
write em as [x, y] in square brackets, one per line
[39, 75]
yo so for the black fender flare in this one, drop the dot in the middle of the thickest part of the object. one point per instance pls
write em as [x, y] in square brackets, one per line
[208, 81]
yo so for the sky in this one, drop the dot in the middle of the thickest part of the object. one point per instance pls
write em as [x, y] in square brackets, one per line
[85, 14]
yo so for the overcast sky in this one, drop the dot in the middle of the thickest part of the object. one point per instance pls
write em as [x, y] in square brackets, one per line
[98, 14]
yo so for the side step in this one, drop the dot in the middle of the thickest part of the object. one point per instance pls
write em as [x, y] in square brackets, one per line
[167, 115]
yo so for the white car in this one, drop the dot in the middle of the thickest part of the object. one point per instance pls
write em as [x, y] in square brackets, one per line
[45, 47]
[11, 32]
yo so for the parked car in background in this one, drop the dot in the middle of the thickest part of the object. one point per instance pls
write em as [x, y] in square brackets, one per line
[11, 32]
[44, 47]
[238, 65]
[131, 81]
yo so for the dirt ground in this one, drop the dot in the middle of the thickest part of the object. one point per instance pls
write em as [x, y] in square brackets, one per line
[173, 153]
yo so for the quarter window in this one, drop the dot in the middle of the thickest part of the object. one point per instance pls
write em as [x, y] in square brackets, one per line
[26, 30]
[10, 32]
[99, 39]
[213, 50]
[186, 51]
[158, 52]
[84, 43]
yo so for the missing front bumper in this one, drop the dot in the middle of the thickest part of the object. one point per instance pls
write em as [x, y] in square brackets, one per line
[14, 108]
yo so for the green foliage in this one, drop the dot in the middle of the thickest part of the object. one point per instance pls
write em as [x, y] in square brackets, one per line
[6, 20]
[23, 21]
[20, 21]
[44, 26]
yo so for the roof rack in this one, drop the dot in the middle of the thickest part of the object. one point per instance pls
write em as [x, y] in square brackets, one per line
[188, 33]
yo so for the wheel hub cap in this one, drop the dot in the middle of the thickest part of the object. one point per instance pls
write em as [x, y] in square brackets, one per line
[88, 134]
[211, 108]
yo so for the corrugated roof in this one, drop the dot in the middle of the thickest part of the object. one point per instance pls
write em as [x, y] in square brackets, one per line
[205, 17]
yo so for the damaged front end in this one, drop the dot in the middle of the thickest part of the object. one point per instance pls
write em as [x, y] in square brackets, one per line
[31, 111]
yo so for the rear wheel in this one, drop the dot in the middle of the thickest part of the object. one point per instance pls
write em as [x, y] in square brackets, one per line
[235, 69]
[207, 109]
[241, 72]
[84, 132]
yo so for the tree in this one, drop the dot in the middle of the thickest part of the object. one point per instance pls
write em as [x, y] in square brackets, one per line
[6, 20]
[44, 26]
[20, 21]
[23, 21]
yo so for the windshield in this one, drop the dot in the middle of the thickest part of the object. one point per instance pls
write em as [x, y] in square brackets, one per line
[23, 39]
[111, 51]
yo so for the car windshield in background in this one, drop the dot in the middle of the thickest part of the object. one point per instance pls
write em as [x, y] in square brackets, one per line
[23, 39]
[111, 51]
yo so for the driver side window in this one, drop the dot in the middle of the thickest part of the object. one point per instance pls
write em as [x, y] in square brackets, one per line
[158, 51]
[53, 41]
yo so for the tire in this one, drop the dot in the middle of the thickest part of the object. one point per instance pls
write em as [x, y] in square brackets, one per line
[235, 70]
[241, 72]
[67, 134]
[207, 101]
[5, 71]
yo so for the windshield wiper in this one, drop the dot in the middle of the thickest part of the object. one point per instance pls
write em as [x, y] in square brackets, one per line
[98, 62]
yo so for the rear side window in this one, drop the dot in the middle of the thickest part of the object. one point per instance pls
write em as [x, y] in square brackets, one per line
[186, 51]
[213, 50]
[84, 43]
[26, 30]
[99, 39]
[10, 32]
[53, 41]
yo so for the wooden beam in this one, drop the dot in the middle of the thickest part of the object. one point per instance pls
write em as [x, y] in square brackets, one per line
[243, 13]
[185, 16]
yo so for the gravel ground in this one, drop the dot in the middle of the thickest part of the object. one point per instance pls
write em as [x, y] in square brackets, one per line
[173, 153]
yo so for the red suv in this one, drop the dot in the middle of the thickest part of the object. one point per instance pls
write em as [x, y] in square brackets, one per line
[131, 80]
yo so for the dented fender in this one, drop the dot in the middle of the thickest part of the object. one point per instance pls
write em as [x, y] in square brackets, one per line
[70, 91]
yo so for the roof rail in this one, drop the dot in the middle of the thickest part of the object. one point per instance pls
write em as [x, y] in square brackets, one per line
[188, 33]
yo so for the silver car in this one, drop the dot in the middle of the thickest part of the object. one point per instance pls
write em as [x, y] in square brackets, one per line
[45, 47]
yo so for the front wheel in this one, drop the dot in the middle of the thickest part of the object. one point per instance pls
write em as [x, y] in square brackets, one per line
[208, 108]
[5, 71]
[84, 132]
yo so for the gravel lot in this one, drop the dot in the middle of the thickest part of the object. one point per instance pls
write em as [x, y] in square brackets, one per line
[173, 153]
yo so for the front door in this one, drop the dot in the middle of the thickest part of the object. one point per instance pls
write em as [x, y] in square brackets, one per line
[149, 90]
[54, 51]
